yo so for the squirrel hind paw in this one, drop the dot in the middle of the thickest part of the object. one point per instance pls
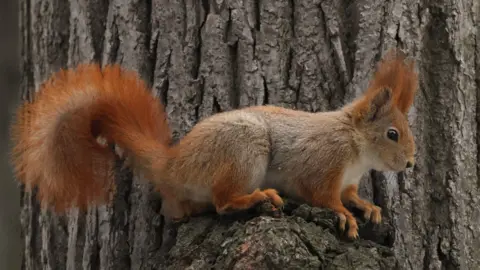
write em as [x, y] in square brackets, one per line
[274, 198]
[245, 202]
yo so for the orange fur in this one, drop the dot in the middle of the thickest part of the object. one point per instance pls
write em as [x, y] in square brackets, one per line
[395, 73]
[371, 212]
[54, 137]
[326, 194]
[398, 74]
[230, 191]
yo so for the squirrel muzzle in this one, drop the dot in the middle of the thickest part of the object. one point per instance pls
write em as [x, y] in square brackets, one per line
[410, 162]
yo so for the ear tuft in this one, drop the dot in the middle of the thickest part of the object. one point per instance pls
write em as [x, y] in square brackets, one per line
[398, 74]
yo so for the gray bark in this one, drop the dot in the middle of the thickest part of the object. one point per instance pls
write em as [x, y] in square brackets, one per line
[203, 57]
[10, 245]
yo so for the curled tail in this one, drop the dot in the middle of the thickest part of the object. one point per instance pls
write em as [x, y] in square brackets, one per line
[55, 145]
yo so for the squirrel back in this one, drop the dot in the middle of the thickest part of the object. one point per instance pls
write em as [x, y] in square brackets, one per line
[55, 138]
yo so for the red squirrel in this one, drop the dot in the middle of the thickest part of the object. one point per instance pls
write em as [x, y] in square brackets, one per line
[231, 160]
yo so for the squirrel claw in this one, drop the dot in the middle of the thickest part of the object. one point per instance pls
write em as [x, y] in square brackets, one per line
[373, 213]
[342, 221]
[367, 213]
[376, 214]
[352, 226]
[353, 233]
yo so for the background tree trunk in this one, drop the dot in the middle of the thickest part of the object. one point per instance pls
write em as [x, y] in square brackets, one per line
[208, 56]
[10, 244]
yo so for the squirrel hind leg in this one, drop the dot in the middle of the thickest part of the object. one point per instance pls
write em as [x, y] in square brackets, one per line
[232, 188]
[232, 196]
[226, 204]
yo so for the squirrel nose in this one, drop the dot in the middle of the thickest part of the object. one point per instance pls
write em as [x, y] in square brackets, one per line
[410, 163]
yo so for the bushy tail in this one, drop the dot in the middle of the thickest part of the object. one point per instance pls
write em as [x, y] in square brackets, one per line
[55, 145]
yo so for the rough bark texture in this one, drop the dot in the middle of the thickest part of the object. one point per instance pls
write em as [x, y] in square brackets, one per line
[208, 56]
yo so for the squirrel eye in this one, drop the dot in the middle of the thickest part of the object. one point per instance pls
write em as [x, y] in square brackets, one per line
[392, 134]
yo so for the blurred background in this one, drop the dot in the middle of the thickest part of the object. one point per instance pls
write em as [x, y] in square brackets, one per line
[9, 97]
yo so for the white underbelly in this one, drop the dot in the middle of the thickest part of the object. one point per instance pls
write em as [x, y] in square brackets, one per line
[353, 173]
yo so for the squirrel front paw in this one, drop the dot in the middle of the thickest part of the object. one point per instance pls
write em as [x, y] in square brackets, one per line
[372, 213]
[345, 218]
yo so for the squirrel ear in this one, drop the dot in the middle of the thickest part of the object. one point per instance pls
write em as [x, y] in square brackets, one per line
[379, 103]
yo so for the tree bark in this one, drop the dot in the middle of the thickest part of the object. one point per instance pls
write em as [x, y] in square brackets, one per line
[204, 57]
[10, 243]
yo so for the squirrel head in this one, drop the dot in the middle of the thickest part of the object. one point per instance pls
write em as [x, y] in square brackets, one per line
[380, 115]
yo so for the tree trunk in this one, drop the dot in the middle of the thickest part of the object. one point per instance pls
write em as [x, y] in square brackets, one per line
[10, 244]
[206, 56]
